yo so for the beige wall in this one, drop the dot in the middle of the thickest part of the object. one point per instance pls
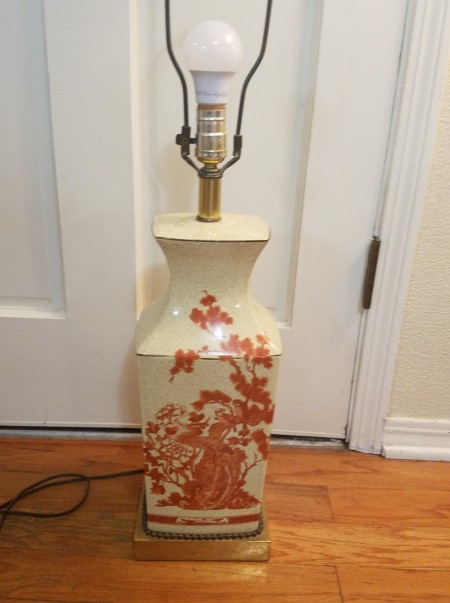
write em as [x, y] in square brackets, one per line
[421, 385]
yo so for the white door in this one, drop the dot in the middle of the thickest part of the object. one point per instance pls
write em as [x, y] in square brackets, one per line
[67, 297]
[90, 159]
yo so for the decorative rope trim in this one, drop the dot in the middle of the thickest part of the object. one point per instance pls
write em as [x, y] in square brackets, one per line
[170, 536]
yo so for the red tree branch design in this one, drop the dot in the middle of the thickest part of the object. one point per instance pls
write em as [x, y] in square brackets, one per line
[203, 455]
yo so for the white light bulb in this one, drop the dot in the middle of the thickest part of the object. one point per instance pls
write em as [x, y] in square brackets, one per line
[213, 53]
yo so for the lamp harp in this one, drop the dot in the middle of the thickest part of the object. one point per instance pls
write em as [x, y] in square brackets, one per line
[210, 174]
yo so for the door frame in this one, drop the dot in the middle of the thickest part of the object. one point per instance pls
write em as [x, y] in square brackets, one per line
[422, 73]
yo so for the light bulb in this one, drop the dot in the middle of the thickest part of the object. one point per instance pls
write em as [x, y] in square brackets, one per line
[213, 53]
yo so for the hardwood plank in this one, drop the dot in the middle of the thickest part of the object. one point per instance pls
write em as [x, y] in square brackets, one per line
[104, 525]
[337, 544]
[334, 468]
[37, 455]
[391, 507]
[89, 578]
[298, 503]
[109, 512]
[28, 459]
[33, 600]
[375, 585]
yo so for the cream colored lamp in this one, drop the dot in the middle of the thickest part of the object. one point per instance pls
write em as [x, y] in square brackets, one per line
[207, 352]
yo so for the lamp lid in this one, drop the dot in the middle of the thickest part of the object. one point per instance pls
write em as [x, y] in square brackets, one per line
[231, 227]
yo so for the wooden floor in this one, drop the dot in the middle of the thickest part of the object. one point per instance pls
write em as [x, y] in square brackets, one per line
[345, 527]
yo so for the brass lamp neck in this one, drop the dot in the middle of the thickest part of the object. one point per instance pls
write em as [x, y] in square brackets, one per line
[209, 194]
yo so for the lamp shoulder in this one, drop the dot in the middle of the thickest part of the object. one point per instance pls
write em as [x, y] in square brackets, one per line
[231, 227]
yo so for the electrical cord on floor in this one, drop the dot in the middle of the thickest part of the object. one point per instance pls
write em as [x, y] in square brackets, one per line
[60, 479]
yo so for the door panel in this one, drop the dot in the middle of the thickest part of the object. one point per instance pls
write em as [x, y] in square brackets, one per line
[30, 259]
[68, 364]
[343, 191]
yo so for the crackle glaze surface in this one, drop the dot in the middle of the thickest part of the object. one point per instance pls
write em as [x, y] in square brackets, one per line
[208, 361]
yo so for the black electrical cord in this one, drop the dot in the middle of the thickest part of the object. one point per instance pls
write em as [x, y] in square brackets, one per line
[60, 479]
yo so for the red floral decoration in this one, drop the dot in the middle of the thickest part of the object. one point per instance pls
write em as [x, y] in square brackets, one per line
[199, 458]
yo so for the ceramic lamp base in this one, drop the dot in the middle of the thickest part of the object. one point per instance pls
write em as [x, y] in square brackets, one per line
[207, 358]
[149, 548]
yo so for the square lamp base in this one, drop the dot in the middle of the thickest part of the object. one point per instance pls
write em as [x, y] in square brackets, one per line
[150, 548]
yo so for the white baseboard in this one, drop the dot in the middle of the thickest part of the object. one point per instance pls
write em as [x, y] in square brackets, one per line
[416, 439]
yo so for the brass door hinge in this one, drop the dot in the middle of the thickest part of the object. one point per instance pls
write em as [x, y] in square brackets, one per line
[371, 269]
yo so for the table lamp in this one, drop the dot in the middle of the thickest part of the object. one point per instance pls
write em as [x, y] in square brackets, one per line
[207, 352]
